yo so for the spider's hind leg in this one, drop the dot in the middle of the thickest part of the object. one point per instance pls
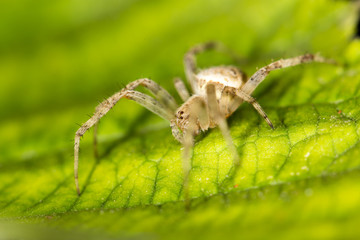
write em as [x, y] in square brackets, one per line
[190, 58]
[246, 97]
[261, 74]
[245, 91]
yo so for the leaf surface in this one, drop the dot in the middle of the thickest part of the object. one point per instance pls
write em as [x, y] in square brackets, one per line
[309, 162]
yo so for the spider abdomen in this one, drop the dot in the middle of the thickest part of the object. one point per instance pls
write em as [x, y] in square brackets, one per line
[225, 76]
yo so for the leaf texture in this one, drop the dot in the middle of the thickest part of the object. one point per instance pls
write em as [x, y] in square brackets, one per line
[311, 156]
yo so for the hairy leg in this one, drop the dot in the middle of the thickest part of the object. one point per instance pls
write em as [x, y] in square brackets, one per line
[160, 94]
[229, 101]
[197, 118]
[190, 61]
[178, 135]
[188, 143]
[219, 118]
[141, 98]
[246, 97]
[261, 74]
[190, 58]
[181, 89]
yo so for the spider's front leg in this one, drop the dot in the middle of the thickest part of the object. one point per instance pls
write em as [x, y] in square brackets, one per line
[188, 143]
[190, 118]
[219, 118]
[163, 108]
[160, 94]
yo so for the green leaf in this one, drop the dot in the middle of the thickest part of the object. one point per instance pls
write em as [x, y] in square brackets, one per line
[297, 180]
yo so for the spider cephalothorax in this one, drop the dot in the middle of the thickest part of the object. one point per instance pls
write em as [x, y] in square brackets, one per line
[216, 93]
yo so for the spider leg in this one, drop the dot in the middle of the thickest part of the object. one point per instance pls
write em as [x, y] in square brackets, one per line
[260, 74]
[188, 143]
[178, 135]
[190, 58]
[160, 94]
[219, 118]
[197, 118]
[190, 61]
[229, 101]
[246, 97]
[141, 98]
[181, 89]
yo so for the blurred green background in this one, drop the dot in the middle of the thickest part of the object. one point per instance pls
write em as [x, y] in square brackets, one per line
[59, 58]
[62, 57]
[66, 54]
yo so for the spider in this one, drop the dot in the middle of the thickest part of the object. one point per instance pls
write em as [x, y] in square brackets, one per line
[217, 93]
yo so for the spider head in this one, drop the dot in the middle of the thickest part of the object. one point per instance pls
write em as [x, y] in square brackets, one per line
[182, 117]
[193, 110]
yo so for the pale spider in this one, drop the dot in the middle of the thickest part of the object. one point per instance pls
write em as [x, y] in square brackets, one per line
[217, 93]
